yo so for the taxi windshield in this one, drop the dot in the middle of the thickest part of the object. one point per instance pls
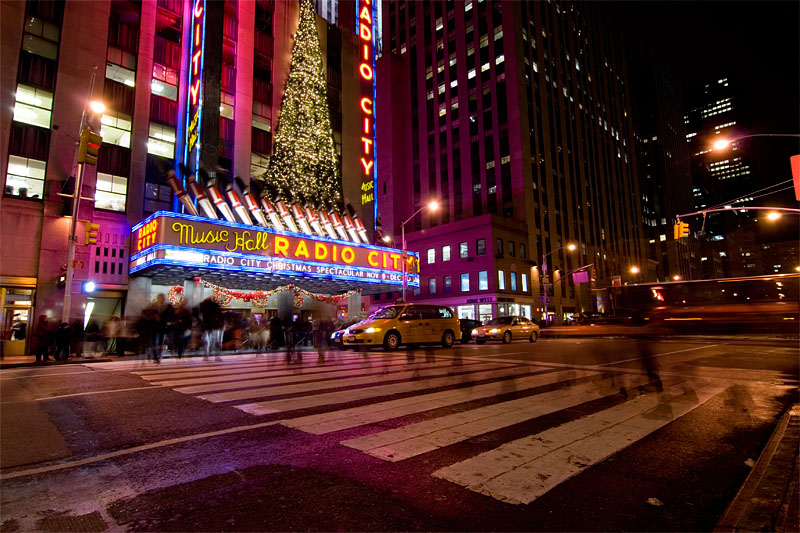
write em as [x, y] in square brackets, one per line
[390, 311]
[498, 321]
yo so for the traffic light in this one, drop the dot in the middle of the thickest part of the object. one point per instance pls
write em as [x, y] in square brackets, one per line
[62, 277]
[91, 233]
[681, 230]
[90, 145]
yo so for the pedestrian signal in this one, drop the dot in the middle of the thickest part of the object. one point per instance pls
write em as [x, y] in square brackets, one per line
[681, 230]
[89, 147]
[62, 277]
[91, 233]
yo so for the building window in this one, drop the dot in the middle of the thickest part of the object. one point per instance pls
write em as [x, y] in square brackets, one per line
[25, 177]
[40, 38]
[33, 106]
[446, 253]
[524, 283]
[111, 192]
[465, 282]
[466, 311]
[447, 284]
[499, 247]
[483, 280]
[511, 250]
[116, 129]
[484, 312]
[431, 285]
[480, 247]
[226, 101]
[501, 280]
[165, 82]
[463, 250]
[513, 281]
[431, 256]
[121, 74]
[161, 141]
[522, 251]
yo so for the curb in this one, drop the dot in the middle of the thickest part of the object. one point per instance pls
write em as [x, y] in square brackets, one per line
[50, 364]
[767, 495]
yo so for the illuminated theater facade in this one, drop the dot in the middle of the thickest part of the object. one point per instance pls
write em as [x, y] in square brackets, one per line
[192, 92]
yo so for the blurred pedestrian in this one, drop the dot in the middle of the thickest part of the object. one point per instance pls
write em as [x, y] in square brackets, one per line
[63, 336]
[165, 315]
[276, 333]
[93, 337]
[181, 327]
[289, 336]
[41, 339]
[109, 334]
[212, 320]
[77, 337]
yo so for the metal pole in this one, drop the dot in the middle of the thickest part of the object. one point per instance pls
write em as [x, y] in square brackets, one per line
[405, 281]
[76, 199]
[544, 284]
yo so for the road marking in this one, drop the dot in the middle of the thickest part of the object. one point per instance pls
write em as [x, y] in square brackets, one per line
[379, 412]
[415, 439]
[660, 354]
[522, 470]
[379, 390]
[129, 451]
[89, 393]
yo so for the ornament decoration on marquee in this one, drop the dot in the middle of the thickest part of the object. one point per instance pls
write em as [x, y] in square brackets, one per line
[224, 296]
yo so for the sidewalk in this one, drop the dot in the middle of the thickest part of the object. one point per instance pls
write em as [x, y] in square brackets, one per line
[769, 499]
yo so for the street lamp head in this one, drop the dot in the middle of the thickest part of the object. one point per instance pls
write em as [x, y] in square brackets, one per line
[676, 277]
[387, 239]
[97, 107]
[773, 216]
[433, 205]
[571, 247]
[721, 144]
[634, 270]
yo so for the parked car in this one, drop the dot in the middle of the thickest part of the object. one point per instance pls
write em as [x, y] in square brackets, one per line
[506, 328]
[584, 319]
[394, 325]
[467, 325]
[336, 340]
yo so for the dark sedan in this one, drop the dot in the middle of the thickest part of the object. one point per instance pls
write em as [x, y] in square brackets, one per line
[466, 326]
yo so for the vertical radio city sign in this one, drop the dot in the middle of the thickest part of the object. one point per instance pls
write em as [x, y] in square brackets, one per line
[366, 69]
[194, 96]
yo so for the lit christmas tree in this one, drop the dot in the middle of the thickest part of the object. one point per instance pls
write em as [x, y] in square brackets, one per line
[304, 158]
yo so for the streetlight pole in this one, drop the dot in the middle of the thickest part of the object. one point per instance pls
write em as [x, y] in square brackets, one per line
[546, 285]
[433, 206]
[76, 199]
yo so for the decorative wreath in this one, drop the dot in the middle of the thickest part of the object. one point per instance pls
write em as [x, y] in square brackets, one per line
[222, 298]
[298, 300]
[175, 295]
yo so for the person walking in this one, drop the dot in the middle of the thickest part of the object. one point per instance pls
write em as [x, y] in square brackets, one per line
[63, 338]
[41, 339]
[93, 337]
[181, 327]
[212, 320]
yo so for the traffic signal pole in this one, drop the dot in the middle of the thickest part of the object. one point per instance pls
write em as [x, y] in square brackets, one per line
[76, 199]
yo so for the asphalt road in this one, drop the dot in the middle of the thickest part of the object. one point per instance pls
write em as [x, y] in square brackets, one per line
[560, 435]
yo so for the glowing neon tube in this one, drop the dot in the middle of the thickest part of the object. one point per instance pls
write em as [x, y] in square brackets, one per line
[351, 228]
[220, 202]
[236, 203]
[272, 213]
[337, 225]
[286, 216]
[255, 210]
[180, 193]
[200, 196]
[325, 220]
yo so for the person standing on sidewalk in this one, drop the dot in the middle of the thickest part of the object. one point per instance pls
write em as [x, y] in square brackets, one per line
[63, 338]
[41, 339]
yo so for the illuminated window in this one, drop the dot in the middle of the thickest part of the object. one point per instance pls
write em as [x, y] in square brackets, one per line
[471, 74]
[33, 106]
[25, 177]
[447, 283]
[662, 238]
[480, 247]
[40, 38]
[161, 141]
[513, 281]
[431, 285]
[226, 101]
[431, 256]
[121, 74]
[165, 82]
[111, 192]
[484, 67]
[446, 253]
[524, 283]
[501, 280]
[465, 282]
[483, 280]
[463, 250]
[116, 129]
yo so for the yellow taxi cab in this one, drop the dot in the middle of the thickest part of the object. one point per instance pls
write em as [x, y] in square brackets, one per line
[394, 325]
[506, 328]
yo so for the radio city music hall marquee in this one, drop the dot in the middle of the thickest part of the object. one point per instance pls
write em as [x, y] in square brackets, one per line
[366, 70]
[167, 238]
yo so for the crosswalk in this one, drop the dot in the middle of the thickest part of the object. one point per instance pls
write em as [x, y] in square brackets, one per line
[396, 410]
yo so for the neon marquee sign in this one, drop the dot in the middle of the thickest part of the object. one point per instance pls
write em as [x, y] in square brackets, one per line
[177, 239]
[366, 70]
[194, 96]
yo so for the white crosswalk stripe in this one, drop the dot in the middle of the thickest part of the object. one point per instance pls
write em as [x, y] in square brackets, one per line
[408, 410]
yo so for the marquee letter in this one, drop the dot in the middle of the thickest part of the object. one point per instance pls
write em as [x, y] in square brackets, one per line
[365, 15]
[197, 34]
[366, 142]
[367, 166]
[196, 61]
[364, 32]
[364, 103]
[348, 255]
[281, 246]
[366, 71]
[198, 8]
[372, 258]
[320, 251]
[301, 250]
[194, 90]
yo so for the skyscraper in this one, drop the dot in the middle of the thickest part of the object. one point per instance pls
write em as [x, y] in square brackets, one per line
[516, 117]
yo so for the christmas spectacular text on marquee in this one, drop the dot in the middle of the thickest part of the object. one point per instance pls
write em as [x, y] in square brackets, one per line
[177, 239]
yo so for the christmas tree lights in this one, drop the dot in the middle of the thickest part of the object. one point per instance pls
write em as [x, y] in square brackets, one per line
[304, 161]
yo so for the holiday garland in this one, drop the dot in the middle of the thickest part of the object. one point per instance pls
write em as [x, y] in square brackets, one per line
[224, 296]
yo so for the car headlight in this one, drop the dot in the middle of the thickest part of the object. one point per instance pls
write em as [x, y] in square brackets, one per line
[493, 331]
[474, 331]
[372, 330]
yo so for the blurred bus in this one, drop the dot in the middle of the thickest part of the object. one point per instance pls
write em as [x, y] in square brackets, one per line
[759, 304]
